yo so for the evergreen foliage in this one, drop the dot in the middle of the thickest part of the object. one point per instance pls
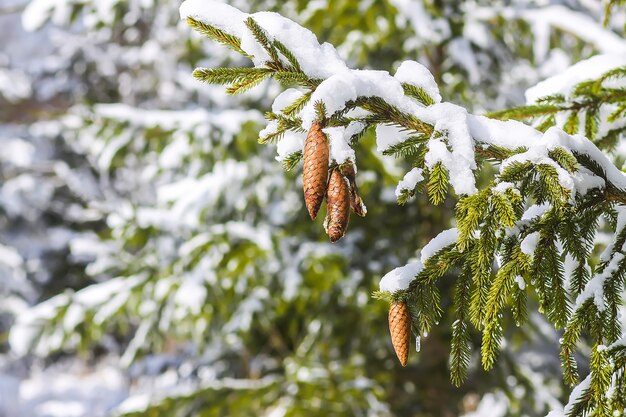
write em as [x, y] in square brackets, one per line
[217, 295]
[579, 112]
[495, 224]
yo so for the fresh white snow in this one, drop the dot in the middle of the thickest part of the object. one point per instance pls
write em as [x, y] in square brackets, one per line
[400, 278]
[585, 70]
[536, 210]
[576, 393]
[529, 244]
[340, 150]
[443, 239]
[389, 135]
[416, 74]
[317, 61]
[594, 289]
[410, 181]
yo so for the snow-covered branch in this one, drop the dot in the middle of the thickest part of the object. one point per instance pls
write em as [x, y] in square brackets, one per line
[565, 179]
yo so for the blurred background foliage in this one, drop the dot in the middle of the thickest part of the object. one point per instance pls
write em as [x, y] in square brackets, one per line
[144, 232]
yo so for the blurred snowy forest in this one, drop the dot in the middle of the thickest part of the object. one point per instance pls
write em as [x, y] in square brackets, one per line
[155, 260]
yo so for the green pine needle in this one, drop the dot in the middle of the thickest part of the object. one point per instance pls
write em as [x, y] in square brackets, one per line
[292, 160]
[411, 146]
[418, 93]
[460, 349]
[292, 77]
[230, 75]
[217, 35]
[438, 184]
[263, 39]
[251, 81]
[291, 58]
[297, 105]
[525, 112]
[571, 125]
[564, 158]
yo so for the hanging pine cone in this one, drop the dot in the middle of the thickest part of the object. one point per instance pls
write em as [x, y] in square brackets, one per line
[315, 170]
[338, 206]
[357, 205]
[400, 329]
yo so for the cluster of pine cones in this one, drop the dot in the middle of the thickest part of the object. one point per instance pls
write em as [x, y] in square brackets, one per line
[341, 194]
[339, 188]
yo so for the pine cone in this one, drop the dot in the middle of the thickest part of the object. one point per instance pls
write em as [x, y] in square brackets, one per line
[338, 206]
[356, 203]
[315, 170]
[400, 329]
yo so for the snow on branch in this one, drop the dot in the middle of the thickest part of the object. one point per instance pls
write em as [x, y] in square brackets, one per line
[451, 137]
[315, 60]
[586, 70]
[400, 278]
[612, 268]
[454, 135]
[500, 248]
[557, 17]
[588, 97]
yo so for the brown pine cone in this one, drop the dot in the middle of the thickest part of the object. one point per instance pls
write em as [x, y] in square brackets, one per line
[400, 329]
[356, 203]
[315, 169]
[338, 206]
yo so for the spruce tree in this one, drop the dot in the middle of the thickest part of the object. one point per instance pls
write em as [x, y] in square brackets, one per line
[262, 315]
[529, 233]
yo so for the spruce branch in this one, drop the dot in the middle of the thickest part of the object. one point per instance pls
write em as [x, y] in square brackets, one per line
[469, 211]
[249, 82]
[581, 405]
[601, 371]
[286, 78]
[564, 158]
[437, 183]
[584, 101]
[481, 257]
[293, 61]
[387, 113]
[519, 305]
[569, 340]
[383, 112]
[230, 75]
[292, 160]
[418, 93]
[437, 266]
[263, 39]
[491, 223]
[460, 349]
[217, 35]
[499, 293]
[412, 146]
[295, 107]
[572, 123]
[406, 195]
[525, 112]
[284, 124]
